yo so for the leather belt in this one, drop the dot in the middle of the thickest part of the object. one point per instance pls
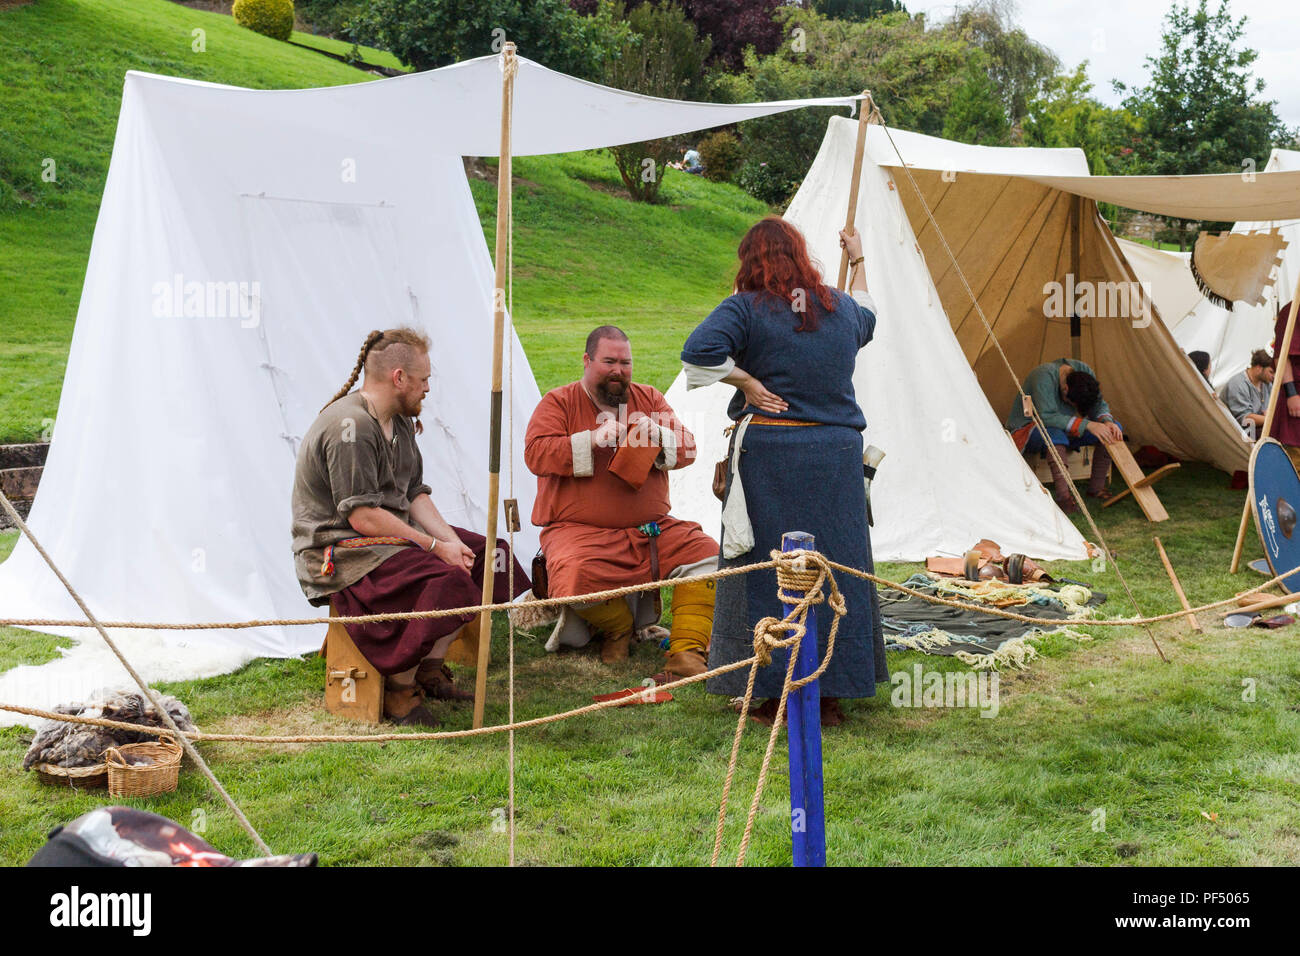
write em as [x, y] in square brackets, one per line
[764, 420]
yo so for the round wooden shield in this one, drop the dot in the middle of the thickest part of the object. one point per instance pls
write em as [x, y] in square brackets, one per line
[1275, 501]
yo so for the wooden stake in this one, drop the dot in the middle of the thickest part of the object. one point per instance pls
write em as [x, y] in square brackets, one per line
[867, 109]
[510, 65]
[1178, 588]
[1284, 355]
[1269, 602]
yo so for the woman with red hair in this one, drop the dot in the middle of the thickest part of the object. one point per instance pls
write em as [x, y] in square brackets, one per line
[788, 343]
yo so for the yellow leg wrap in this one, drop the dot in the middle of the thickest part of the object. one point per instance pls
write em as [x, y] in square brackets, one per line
[692, 617]
[612, 617]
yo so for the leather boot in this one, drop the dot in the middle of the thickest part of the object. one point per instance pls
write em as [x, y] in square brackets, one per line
[435, 679]
[1099, 477]
[404, 705]
[681, 664]
[614, 647]
[1061, 482]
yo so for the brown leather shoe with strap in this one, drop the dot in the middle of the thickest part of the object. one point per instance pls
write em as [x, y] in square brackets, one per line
[404, 706]
[435, 678]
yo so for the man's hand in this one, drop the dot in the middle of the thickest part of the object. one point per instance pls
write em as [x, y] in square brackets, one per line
[761, 398]
[1293, 406]
[454, 553]
[1255, 419]
[1106, 431]
[609, 434]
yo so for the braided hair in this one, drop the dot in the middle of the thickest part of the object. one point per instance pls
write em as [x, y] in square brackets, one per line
[371, 341]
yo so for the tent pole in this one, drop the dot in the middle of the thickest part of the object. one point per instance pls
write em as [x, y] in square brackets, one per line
[1076, 257]
[1284, 355]
[866, 112]
[510, 66]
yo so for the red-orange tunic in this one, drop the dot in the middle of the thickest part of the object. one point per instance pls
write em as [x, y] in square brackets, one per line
[589, 517]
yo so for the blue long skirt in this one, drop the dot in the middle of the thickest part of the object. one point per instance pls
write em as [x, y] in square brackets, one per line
[801, 478]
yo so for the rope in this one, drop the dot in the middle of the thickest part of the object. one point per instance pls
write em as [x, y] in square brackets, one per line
[792, 574]
[1033, 410]
[144, 686]
[396, 615]
[619, 592]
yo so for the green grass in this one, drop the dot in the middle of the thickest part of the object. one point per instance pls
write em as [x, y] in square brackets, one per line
[1097, 725]
[342, 48]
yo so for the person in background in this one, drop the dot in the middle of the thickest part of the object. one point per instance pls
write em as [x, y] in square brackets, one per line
[691, 162]
[1202, 362]
[1286, 420]
[1246, 393]
[1068, 399]
[789, 346]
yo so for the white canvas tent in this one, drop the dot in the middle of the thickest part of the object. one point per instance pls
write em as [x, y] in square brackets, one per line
[951, 475]
[1229, 336]
[247, 241]
[1017, 220]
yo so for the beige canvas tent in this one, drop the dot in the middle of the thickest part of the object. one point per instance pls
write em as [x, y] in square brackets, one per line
[1052, 282]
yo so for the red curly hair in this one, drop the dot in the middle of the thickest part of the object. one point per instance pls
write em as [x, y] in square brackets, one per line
[774, 260]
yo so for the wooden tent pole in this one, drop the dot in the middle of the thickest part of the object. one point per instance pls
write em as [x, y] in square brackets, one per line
[510, 66]
[1076, 259]
[1284, 355]
[1178, 588]
[867, 109]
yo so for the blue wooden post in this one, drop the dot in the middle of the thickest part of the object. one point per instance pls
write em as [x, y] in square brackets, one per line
[804, 734]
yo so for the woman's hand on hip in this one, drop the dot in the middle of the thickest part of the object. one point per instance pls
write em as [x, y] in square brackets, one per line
[760, 398]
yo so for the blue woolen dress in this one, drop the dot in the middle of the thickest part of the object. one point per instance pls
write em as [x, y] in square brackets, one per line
[796, 478]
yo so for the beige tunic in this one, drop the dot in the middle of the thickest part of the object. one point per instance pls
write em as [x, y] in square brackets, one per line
[345, 462]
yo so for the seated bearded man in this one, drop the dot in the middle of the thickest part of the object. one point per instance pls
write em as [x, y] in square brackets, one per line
[602, 448]
[368, 539]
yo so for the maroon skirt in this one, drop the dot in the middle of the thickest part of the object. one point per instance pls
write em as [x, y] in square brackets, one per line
[415, 580]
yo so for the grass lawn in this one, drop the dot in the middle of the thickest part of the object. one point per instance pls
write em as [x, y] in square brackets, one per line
[1099, 725]
[365, 54]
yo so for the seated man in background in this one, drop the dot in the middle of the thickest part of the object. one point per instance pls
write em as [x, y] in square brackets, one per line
[602, 448]
[1068, 399]
[1246, 393]
[367, 538]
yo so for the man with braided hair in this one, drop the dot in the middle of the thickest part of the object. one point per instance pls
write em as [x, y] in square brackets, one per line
[602, 448]
[368, 539]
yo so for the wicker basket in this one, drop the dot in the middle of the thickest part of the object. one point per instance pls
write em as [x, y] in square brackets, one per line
[78, 778]
[126, 778]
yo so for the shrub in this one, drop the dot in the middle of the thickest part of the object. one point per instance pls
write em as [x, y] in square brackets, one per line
[721, 155]
[765, 183]
[272, 18]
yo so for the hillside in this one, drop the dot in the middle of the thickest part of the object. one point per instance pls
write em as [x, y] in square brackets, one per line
[584, 254]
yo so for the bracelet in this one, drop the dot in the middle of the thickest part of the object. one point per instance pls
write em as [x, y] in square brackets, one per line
[1289, 388]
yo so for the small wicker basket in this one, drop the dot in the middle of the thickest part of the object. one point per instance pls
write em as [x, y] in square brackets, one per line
[78, 778]
[143, 770]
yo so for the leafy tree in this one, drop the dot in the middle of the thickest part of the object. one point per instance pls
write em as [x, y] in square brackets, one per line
[856, 9]
[733, 25]
[1066, 114]
[1202, 111]
[662, 56]
[975, 114]
[1017, 66]
[430, 33]
[912, 72]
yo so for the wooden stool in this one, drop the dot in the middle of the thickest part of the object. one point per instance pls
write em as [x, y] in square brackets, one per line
[353, 688]
[1139, 485]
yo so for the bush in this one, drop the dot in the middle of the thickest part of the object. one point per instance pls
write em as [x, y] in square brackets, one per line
[272, 18]
[765, 183]
[721, 155]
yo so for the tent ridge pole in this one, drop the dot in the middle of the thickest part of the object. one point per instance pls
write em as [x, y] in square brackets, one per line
[867, 112]
[509, 66]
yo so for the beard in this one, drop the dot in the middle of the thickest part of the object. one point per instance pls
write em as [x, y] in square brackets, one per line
[411, 405]
[612, 391]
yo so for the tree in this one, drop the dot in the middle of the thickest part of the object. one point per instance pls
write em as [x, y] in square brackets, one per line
[431, 33]
[662, 56]
[733, 25]
[856, 9]
[1201, 110]
[976, 114]
[1017, 66]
